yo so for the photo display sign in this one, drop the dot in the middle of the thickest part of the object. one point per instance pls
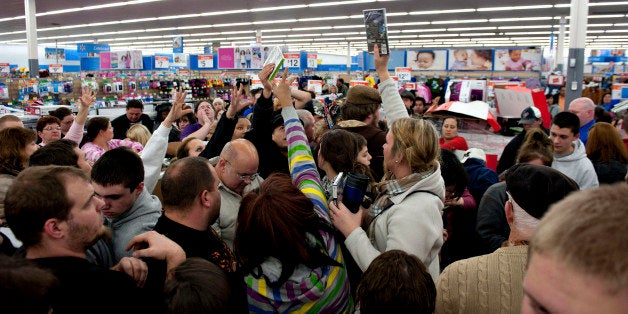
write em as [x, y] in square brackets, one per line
[131, 59]
[518, 59]
[470, 60]
[426, 59]
[251, 57]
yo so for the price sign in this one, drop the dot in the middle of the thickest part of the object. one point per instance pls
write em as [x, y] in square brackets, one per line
[404, 74]
[256, 82]
[294, 85]
[184, 72]
[409, 86]
[357, 82]
[293, 60]
[162, 62]
[205, 61]
[311, 60]
[317, 85]
[5, 68]
[55, 68]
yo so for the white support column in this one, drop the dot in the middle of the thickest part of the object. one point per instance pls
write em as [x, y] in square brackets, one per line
[577, 40]
[31, 37]
[348, 58]
[560, 46]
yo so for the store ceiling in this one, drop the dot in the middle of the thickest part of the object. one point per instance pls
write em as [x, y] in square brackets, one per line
[311, 25]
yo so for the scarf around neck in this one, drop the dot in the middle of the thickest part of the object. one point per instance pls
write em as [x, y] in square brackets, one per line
[392, 187]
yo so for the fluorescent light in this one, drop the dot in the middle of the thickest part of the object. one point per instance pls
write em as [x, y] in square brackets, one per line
[332, 3]
[525, 26]
[605, 16]
[434, 12]
[512, 8]
[457, 29]
[519, 19]
[460, 21]
[613, 3]
[285, 7]
[318, 19]
[406, 24]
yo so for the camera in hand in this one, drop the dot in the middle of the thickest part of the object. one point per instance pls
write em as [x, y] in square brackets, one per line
[354, 190]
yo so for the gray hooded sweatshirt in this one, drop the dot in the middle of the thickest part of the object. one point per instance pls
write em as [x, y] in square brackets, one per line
[577, 166]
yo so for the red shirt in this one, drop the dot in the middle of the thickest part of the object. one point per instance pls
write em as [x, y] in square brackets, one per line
[457, 143]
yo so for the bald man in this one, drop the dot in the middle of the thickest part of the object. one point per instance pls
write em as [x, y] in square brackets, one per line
[237, 172]
[584, 108]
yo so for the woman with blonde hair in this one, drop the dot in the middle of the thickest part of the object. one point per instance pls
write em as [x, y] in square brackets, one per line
[607, 152]
[138, 133]
[406, 214]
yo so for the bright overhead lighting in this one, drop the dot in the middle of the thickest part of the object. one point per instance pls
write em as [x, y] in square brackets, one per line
[316, 19]
[406, 24]
[460, 21]
[525, 26]
[613, 3]
[285, 7]
[434, 12]
[470, 28]
[519, 19]
[512, 8]
[604, 16]
[331, 3]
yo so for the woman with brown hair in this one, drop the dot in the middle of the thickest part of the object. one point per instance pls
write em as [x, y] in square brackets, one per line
[16, 146]
[607, 152]
[100, 139]
[284, 238]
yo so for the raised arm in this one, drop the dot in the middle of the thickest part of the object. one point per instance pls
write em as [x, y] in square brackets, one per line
[391, 100]
[155, 150]
[302, 167]
[301, 97]
[226, 125]
[75, 133]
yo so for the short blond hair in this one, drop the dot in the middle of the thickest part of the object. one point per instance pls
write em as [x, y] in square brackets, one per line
[138, 133]
[586, 231]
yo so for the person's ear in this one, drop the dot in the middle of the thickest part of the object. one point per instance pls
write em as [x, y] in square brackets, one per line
[508, 209]
[139, 189]
[54, 228]
[206, 199]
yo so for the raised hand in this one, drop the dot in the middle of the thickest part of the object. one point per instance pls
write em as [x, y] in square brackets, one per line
[177, 111]
[282, 91]
[88, 96]
[236, 102]
[381, 64]
[263, 75]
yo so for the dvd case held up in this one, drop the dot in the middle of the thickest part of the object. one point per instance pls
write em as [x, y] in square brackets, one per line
[376, 30]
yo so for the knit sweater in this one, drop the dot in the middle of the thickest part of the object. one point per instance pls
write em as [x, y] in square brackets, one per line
[490, 283]
[321, 290]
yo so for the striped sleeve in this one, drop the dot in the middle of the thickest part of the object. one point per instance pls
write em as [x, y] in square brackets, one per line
[302, 167]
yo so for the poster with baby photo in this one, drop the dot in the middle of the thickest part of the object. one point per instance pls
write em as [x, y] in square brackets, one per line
[470, 60]
[518, 59]
[426, 59]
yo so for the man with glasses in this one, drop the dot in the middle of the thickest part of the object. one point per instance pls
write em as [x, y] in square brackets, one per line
[237, 172]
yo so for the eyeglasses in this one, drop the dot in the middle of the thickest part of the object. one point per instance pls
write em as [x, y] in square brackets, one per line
[243, 176]
[50, 128]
